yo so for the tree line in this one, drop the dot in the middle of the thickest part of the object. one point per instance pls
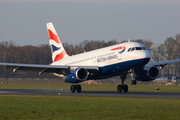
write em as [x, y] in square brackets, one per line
[12, 53]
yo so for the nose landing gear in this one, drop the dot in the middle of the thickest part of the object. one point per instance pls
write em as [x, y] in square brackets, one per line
[133, 82]
[132, 74]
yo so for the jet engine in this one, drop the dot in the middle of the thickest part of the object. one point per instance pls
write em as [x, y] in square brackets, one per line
[76, 75]
[147, 74]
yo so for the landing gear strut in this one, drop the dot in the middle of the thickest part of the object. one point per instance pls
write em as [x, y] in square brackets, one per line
[74, 88]
[132, 74]
[122, 87]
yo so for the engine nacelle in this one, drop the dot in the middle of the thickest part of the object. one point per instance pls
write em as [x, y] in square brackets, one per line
[147, 74]
[77, 75]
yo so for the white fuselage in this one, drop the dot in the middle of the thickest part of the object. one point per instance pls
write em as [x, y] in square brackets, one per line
[106, 56]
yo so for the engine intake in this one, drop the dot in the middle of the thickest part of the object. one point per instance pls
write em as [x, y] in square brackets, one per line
[77, 75]
[147, 74]
[81, 74]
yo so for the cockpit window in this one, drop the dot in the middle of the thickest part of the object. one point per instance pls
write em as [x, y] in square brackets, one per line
[138, 48]
[144, 48]
[132, 49]
[129, 49]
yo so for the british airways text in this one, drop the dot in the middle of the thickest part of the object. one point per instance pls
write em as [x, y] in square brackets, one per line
[102, 59]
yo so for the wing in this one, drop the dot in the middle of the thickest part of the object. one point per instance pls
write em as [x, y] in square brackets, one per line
[163, 63]
[43, 68]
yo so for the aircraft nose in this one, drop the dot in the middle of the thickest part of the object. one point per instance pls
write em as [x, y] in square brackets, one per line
[142, 54]
[143, 57]
[146, 54]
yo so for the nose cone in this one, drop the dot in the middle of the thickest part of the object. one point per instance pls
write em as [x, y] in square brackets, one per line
[141, 54]
[143, 57]
[145, 54]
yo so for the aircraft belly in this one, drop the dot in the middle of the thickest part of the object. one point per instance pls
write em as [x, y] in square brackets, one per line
[118, 68]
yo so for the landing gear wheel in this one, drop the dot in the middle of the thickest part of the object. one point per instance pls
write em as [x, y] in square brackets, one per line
[125, 88]
[119, 88]
[72, 88]
[133, 82]
[78, 88]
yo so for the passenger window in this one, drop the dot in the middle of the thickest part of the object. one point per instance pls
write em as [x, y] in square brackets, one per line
[129, 49]
[138, 48]
[132, 49]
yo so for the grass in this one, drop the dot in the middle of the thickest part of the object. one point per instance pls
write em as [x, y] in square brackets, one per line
[94, 87]
[87, 108]
[41, 107]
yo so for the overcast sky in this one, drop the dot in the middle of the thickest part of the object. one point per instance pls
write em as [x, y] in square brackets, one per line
[24, 21]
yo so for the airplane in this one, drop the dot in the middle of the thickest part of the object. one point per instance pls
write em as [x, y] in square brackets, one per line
[116, 60]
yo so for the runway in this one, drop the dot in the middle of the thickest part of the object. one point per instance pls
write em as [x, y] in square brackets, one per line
[90, 93]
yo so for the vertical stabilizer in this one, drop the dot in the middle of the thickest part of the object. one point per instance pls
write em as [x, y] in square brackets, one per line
[57, 49]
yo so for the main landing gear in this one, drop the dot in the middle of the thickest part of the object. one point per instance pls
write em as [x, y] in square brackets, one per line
[74, 88]
[122, 87]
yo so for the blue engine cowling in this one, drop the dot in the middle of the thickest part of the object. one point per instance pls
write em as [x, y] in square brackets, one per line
[77, 75]
[147, 74]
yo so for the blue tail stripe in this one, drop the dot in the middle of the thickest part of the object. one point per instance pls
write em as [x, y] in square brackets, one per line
[54, 48]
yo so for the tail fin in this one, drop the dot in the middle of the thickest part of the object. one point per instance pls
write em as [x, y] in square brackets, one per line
[57, 49]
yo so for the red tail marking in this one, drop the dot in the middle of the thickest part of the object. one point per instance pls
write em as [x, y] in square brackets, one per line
[118, 48]
[60, 56]
[54, 37]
